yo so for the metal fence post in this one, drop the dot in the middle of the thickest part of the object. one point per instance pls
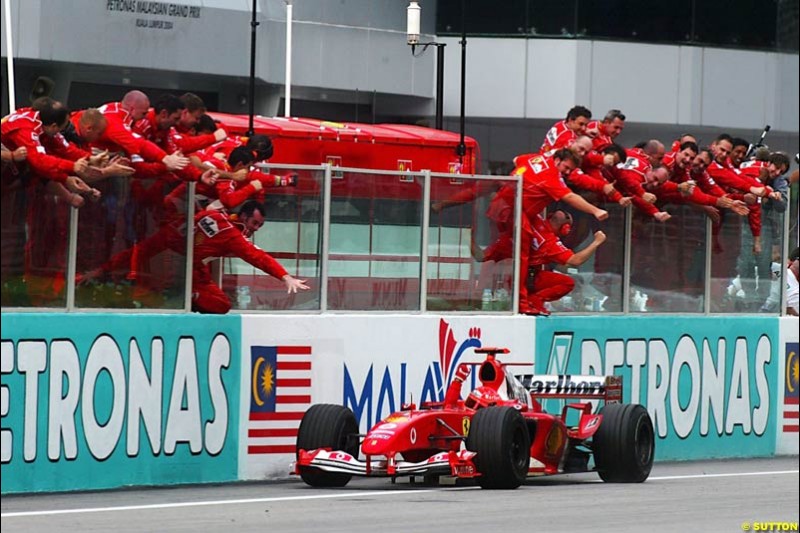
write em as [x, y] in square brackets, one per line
[72, 257]
[517, 248]
[787, 218]
[426, 223]
[188, 271]
[326, 237]
[707, 279]
[626, 262]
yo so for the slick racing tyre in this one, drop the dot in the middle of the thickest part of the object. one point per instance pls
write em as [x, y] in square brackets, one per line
[327, 426]
[624, 445]
[500, 440]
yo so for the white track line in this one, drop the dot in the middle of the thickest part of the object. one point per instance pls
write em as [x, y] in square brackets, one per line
[328, 496]
[211, 502]
[732, 474]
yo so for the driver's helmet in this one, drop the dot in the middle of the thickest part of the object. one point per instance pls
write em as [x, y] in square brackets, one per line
[482, 397]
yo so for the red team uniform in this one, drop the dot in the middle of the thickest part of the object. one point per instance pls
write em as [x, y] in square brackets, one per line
[216, 235]
[547, 248]
[541, 184]
[559, 136]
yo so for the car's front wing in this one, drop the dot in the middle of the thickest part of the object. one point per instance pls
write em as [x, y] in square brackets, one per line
[457, 464]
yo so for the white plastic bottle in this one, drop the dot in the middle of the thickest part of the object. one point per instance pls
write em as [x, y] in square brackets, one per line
[243, 297]
[486, 300]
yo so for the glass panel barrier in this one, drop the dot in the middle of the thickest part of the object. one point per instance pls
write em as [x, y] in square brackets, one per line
[375, 241]
[668, 262]
[745, 279]
[132, 245]
[35, 235]
[598, 281]
[292, 235]
[471, 244]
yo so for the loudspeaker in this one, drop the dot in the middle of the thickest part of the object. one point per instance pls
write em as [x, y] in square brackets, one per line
[43, 86]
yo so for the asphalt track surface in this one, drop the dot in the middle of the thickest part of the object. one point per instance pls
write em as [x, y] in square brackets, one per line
[704, 496]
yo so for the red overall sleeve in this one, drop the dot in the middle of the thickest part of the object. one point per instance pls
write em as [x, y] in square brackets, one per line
[44, 165]
[132, 143]
[192, 143]
[244, 249]
[230, 196]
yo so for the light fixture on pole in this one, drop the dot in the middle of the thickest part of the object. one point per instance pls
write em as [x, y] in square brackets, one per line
[414, 12]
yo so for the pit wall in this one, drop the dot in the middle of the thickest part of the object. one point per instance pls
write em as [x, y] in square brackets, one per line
[94, 401]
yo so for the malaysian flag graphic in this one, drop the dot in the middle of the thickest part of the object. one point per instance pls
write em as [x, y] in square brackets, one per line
[280, 393]
[791, 392]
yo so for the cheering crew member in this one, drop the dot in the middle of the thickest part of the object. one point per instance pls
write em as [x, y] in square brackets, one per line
[685, 137]
[564, 132]
[217, 234]
[160, 127]
[741, 186]
[119, 136]
[542, 183]
[193, 109]
[25, 128]
[260, 144]
[549, 286]
[631, 177]
[680, 189]
[593, 178]
[236, 183]
[725, 175]
[546, 248]
[605, 132]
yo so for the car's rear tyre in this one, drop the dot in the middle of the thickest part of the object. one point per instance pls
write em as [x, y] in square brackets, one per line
[327, 426]
[624, 445]
[500, 439]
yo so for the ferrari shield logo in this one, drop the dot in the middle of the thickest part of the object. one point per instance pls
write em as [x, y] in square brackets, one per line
[465, 426]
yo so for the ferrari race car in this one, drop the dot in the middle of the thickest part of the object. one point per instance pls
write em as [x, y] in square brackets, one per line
[498, 435]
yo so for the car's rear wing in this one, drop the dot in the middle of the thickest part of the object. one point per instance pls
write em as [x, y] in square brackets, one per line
[608, 388]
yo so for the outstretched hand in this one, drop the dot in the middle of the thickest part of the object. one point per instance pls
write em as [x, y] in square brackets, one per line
[293, 284]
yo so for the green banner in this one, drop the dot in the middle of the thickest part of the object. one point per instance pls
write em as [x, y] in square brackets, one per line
[94, 401]
[709, 383]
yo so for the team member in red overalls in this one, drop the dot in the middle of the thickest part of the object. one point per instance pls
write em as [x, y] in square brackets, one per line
[549, 286]
[566, 131]
[217, 235]
[542, 184]
[545, 248]
[606, 131]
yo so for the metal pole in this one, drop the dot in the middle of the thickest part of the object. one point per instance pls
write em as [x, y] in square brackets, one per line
[439, 85]
[287, 106]
[189, 267]
[326, 237]
[12, 98]
[518, 247]
[787, 217]
[461, 150]
[707, 280]
[252, 92]
[626, 263]
[426, 224]
[72, 257]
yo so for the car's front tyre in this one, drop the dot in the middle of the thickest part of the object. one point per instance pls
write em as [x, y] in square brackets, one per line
[327, 426]
[500, 440]
[624, 445]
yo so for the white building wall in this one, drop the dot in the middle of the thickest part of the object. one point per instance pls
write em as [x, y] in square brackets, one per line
[657, 84]
[344, 46]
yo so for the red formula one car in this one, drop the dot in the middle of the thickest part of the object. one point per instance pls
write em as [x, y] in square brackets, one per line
[499, 435]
